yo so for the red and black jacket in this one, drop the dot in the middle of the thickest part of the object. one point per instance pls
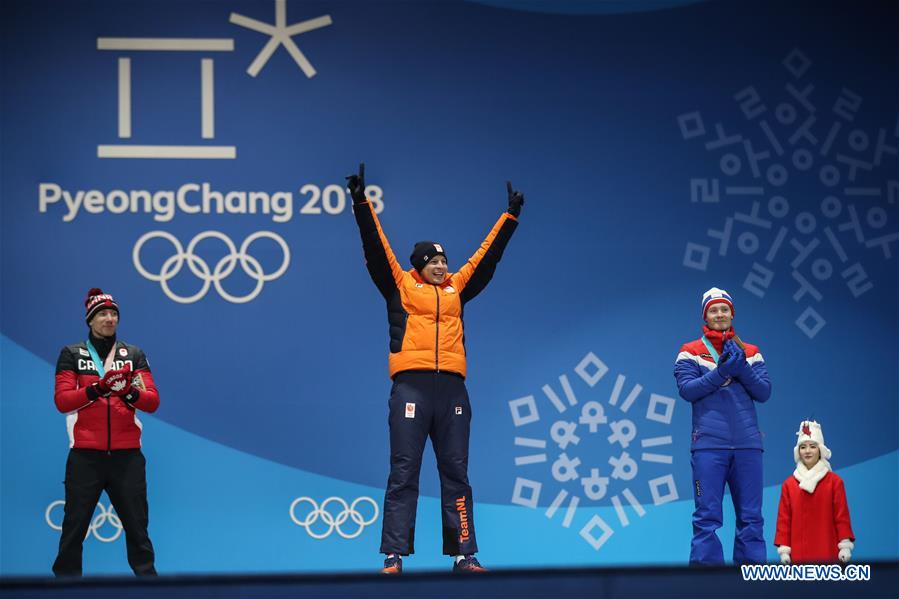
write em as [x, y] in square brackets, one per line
[97, 422]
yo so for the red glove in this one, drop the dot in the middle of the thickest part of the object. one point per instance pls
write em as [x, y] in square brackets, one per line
[116, 382]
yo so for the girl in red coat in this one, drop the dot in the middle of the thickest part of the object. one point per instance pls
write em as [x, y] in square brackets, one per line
[813, 517]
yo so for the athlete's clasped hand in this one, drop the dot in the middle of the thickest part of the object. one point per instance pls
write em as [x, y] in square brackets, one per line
[115, 382]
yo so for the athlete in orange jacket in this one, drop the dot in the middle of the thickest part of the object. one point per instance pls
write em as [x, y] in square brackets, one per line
[427, 365]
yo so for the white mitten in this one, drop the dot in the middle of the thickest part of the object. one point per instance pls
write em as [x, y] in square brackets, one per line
[845, 546]
[784, 553]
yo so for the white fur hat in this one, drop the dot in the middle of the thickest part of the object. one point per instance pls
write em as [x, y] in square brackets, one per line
[809, 430]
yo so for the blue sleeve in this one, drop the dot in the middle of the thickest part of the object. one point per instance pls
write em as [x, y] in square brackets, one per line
[692, 384]
[755, 380]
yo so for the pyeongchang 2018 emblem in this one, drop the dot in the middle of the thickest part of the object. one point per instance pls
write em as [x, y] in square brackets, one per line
[280, 34]
[612, 454]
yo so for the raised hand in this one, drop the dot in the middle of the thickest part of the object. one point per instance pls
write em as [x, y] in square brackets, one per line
[741, 365]
[516, 200]
[729, 364]
[356, 185]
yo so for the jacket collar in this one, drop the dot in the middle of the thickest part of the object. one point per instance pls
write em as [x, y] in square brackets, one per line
[809, 478]
[102, 344]
[717, 337]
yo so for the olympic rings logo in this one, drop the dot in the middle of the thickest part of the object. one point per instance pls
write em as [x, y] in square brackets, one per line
[105, 516]
[172, 266]
[333, 522]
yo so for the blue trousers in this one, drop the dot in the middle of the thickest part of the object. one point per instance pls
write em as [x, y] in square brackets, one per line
[741, 469]
[428, 404]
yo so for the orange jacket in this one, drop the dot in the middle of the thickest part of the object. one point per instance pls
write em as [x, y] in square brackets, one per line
[426, 329]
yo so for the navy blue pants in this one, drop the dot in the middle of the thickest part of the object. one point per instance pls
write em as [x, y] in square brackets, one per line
[424, 404]
[741, 469]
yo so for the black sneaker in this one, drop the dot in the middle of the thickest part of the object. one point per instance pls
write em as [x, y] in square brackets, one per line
[468, 565]
[393, 565]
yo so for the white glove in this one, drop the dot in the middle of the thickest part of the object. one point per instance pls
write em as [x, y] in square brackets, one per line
[784, 553]
[845, 546]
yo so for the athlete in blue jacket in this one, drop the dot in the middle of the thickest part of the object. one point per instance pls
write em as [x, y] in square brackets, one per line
[723, 378]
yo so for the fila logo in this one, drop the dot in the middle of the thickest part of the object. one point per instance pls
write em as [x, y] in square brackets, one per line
[458, 410]
[410, 410]
[438, 247]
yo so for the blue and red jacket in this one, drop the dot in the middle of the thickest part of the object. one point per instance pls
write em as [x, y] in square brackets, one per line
[723, 408]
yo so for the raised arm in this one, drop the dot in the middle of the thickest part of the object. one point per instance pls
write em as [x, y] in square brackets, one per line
[382, 265]
[474, 275]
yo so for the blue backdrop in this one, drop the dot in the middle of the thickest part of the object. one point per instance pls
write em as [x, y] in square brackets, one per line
[663, 146]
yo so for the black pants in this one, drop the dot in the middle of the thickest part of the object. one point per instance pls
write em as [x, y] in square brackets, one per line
[426, 404]
[122, 474]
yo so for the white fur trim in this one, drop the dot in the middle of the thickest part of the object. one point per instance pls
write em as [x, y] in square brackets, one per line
[810, 477]
[783, 549]
[816, 436]
[846, 544]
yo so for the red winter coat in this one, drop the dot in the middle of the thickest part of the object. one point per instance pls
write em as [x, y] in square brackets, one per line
[812, 524]
[106, 423]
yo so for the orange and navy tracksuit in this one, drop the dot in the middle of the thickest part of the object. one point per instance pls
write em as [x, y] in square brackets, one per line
[427, 365]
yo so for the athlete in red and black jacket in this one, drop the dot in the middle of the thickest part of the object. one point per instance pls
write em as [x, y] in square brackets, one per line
[97, 420]
[100, 385]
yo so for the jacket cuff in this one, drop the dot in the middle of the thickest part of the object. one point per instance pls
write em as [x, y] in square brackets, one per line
[846, 544]
[717, 378]
[132, 396]
[784, 550]
[93, 394]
